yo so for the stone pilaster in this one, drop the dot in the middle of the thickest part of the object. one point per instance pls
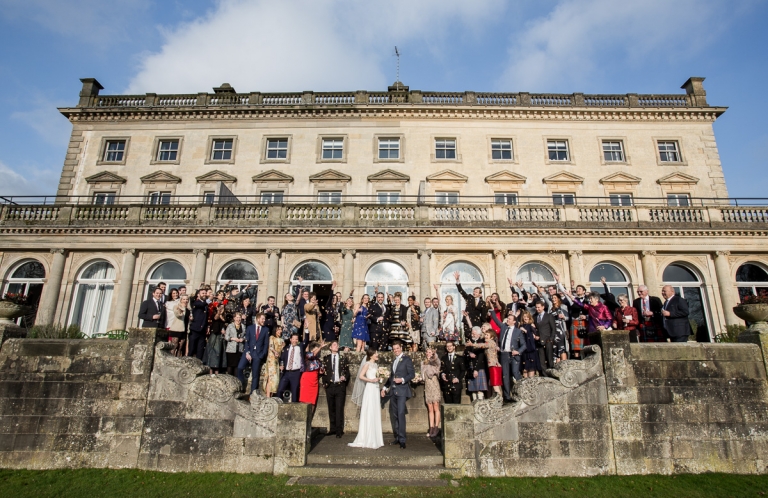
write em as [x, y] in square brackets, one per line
[124, 290]
[201, 260]
[273, 256]
[424, 273]
[47, 310]
[648, 262]
[500, 264]
[574, 268]
[349, 271]
[725, 284]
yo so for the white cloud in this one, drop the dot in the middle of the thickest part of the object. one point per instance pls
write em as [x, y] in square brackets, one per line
[46, 120]
[300, 45]
[34, 180]
[579, 41]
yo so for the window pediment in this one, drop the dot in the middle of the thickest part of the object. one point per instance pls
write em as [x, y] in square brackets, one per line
[678, 178]
[447, 175]
[389, 175]
[160, 177]
[330, 175]
[105, 177]
[216, 176]
[505, 179]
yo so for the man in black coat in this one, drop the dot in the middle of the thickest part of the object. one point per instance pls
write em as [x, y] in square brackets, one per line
[291, 367]
[476, 307]
[452, 373]
[198, 325]
[335, 381]
[675, 313]
[649, 313]
[377, 319]
[152, 311]
[545, 330]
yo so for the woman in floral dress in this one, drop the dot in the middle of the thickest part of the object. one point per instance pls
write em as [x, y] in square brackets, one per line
[271, 375]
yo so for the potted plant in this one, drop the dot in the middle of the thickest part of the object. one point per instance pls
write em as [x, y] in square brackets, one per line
[13, 306]
[754, 309]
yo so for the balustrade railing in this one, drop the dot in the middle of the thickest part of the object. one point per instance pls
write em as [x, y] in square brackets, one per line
[622, 215]
[334, 98]
[378, 98]
[100, 213]
[497, 99]
[551, 100]
[281, 99]
[313, 213]
[662, 101]
[170, 213]
[387, 212]
[545, 214]
[442, 98]
[31, 213]
[605, 100]
[176, 101]
[676, 215]
[121, 101]
[745, 215]
[456, 213]
[242, 212]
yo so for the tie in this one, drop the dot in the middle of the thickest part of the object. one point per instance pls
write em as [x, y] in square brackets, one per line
[335, 369]
[258, 331]
[504, 341]
[394, 366]
[450, 357]
[290, 359]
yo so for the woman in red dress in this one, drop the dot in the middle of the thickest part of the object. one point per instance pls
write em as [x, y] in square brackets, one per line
[309, 386]
[625, 318]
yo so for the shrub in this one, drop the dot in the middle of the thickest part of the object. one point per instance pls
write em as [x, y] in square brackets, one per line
[731, 333]
[56, 331]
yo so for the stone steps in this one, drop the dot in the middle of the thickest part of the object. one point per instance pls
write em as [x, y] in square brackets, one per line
[366, 473]
[374, 460]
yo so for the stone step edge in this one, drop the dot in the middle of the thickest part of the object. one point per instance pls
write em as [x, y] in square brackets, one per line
[399, 473]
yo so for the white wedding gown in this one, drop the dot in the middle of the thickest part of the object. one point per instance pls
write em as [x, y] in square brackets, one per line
[369, 433]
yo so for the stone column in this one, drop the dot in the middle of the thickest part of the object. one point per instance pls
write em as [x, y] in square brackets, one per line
[349, 272]
[201, 259]
[273, 256]
[424, 280]
[500, 263]
[648, 262]
[574, 268]
[724, 282]
[124, 291]
[47, 309]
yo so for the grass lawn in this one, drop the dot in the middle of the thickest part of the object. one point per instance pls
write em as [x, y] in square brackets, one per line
[93, 483]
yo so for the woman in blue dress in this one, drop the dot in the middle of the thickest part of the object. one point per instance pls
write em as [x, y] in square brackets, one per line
[360, 329]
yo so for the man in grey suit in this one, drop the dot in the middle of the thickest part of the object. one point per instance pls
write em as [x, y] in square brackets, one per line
[399, 390]
[675, 315]
[512, 346]
[430, 322]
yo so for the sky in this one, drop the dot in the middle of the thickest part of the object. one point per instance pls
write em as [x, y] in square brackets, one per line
[561, 46]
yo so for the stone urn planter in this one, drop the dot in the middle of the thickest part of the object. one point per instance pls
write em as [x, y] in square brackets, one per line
[10, 311]
[756, 314]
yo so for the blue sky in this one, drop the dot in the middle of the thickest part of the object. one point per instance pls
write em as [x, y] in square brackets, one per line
[590, 46]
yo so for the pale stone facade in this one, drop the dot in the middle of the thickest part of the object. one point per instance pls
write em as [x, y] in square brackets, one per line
[639, 238]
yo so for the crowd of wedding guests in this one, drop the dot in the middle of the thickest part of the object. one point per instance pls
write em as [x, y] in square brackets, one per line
[488, 346]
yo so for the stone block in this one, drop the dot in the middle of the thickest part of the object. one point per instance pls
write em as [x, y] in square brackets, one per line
[6, 441]
[32, 442]
[263, 447]
[460, 450]
[459, 430]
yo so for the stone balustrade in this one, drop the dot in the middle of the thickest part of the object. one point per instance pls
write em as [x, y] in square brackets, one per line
[386, 214]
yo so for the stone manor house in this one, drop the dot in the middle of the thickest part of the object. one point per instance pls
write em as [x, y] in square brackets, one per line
[399, 188]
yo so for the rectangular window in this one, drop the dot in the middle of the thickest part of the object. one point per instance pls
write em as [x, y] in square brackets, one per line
[222, 149]
[388, 197]
[333, 197]
[168, 150]
[114, 151]
[501, 150]
[621, 199]
[272, 197]
[669, 152]
[613, 152]
[209, 197]
[509, 199]
[447, 197]
[558, 150]
[277, 148]
[445, 149]
[104, 198]
[159, 197]
[389, 148]
[678, 200]
[333, 148]
[563, 199]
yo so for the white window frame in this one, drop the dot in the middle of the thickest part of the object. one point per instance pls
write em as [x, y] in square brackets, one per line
[332, 145]
[560, 199]
[329, 197]
[621, 200]
[674, 200]
[387, 197]
[271, 197]
[500, 149]
[553, 145]
[278, 148]
[388, 145]
[159, 197]
[678, 156]
[105, 198]
[446, 145]
[105, 158]
[447, 198]
[505, 198]
[622, 158]
[161, 151]
[209, 197]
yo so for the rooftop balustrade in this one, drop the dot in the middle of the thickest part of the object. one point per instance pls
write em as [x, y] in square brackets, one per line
[478, 212]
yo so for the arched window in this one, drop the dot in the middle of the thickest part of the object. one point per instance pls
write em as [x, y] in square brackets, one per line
[535, 272]
[241, 273]
[688, 284]
[752, 280]
[618, 283]
[27, 279]
[470, 277]
[93, 298]
[391, 277]
[317, 278]
[170, 272]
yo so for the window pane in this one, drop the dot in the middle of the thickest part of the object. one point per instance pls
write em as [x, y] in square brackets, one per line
[104, 198]
[678, 273]
[222, 150]
[468, 273]
[209, 197]
[505, 198]
[170, 270]
[558, 150]
[609, 271]
[680, 200]
[313, 270]
[751, 273]
[31, 269]
[535, 272]
[168, 150]
[447, 197]
[114, 150]
[501, 149]
[272, 197]
[613, 151]
[101, 270]
[240, 270]
[563, 199]
[386, 271]
[621, 199]
[668, 152]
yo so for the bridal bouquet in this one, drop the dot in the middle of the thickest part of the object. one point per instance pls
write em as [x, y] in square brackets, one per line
[383, 373]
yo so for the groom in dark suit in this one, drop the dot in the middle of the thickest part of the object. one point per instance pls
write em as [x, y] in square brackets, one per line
[399, 390]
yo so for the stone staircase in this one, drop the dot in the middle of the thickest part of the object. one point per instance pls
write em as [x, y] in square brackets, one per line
[332, 461]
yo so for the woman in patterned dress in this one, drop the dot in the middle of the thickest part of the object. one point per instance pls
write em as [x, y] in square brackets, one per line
[271, 375]
[347, 315]
[430, 371]
[579, 335]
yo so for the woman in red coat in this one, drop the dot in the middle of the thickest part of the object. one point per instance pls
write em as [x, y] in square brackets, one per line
[625, 318]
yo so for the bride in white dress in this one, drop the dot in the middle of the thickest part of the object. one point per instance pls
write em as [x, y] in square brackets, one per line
[367, 396]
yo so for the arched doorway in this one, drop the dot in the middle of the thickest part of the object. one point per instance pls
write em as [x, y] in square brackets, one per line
[390, 276]
[27, 279]
[317, 278]
[617, 281]
[688, 285]
[752, 280]
[535, 272]
[93, 298]
[470, 277]
[171, 272]
[241, 273]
